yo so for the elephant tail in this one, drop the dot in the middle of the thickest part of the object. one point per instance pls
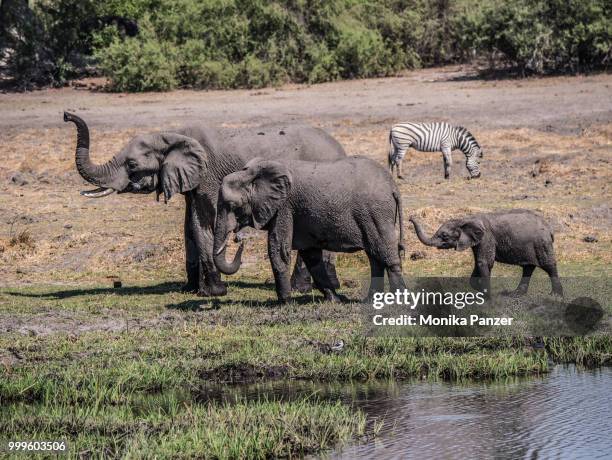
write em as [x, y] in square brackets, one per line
[399, 216]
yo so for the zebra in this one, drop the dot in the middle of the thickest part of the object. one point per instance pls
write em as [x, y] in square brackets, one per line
[433, 137]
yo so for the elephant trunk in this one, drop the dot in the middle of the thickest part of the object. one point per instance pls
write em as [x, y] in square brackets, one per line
[420, 234]
[220, 247]
[99, 175]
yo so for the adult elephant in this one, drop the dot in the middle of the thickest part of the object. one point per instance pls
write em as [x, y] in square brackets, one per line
[193, 161]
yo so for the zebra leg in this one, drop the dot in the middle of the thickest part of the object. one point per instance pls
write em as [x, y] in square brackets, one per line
[448, 161]
[399, 169]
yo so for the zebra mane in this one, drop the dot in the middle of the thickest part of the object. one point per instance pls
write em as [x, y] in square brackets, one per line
[468, 134]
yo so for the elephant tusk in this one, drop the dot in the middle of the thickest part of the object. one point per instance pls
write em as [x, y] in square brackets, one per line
[223, 246]
[98, 192]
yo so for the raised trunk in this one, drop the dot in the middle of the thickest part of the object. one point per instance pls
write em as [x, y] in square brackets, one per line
[420, 234]
[100, 175]
[220, 246]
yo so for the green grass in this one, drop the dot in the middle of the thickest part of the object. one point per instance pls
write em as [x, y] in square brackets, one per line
[172, 427]
[121, 372]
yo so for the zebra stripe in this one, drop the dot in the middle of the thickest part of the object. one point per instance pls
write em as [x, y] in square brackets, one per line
[434, 137]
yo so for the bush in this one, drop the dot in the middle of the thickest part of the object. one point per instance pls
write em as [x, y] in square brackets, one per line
[142, 63]
[362, 53]
[197, 70]
[254, 43]
[548, 36]
[321, 64]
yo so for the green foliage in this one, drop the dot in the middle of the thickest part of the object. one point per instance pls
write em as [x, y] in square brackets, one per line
[547, 36]
[242, 43]
[142, 63]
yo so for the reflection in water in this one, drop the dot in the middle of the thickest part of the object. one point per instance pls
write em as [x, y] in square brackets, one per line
[565, 414]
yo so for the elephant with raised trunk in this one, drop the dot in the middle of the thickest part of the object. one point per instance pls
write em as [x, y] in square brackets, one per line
[344, 206]
[193, 161]
[517, 237]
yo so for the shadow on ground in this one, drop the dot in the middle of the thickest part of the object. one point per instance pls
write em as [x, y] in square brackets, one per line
[193, 304]
[155, 289]
[216, 303]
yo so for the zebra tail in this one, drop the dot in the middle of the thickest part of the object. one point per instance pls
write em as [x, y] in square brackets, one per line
[399, 215]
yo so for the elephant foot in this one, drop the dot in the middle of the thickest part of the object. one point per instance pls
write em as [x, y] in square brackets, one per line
[557, 293]
[369, 299]
[212, 291]
[331, 296]
[303, 285]
[190, 288]
[213, 286]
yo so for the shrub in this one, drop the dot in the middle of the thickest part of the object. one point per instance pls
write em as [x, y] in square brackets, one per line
[548, 36]
[361, 53]
[321, 63]
[255, 73]
[142, 63]
[254, 43]
[197, 70]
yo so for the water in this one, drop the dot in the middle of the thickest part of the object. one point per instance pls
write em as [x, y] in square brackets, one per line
[564, 414]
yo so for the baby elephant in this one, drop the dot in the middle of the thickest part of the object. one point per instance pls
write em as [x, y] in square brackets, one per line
[517, 237]
[343, 206]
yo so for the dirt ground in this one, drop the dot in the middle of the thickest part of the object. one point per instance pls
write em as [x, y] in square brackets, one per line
[547, 146]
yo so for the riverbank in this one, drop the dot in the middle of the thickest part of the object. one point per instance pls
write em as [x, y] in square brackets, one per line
[119, 370]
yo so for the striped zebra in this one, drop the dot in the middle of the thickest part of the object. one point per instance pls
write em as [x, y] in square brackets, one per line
[434, 137]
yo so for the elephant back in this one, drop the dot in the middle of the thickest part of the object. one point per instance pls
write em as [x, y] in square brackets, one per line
[286, 142]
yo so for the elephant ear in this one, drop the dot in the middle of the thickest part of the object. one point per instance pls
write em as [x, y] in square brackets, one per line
[270, 188]
[471, 232]
[182, 167]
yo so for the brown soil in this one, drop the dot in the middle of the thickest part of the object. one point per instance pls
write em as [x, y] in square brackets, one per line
[547, 145]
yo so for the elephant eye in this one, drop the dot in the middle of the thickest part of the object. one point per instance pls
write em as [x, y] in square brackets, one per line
[132, 164]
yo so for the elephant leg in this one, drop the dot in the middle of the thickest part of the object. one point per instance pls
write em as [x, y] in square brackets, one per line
[202, 219]
[315, 261]
[475, 278]
[300, 279]
[192, 263]
[448, 161]
[523, 286]
[484, 269]
[329, 262]
[396, 280]
[551, 269]
[210, 283]
[377, 277]
[279, 251]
